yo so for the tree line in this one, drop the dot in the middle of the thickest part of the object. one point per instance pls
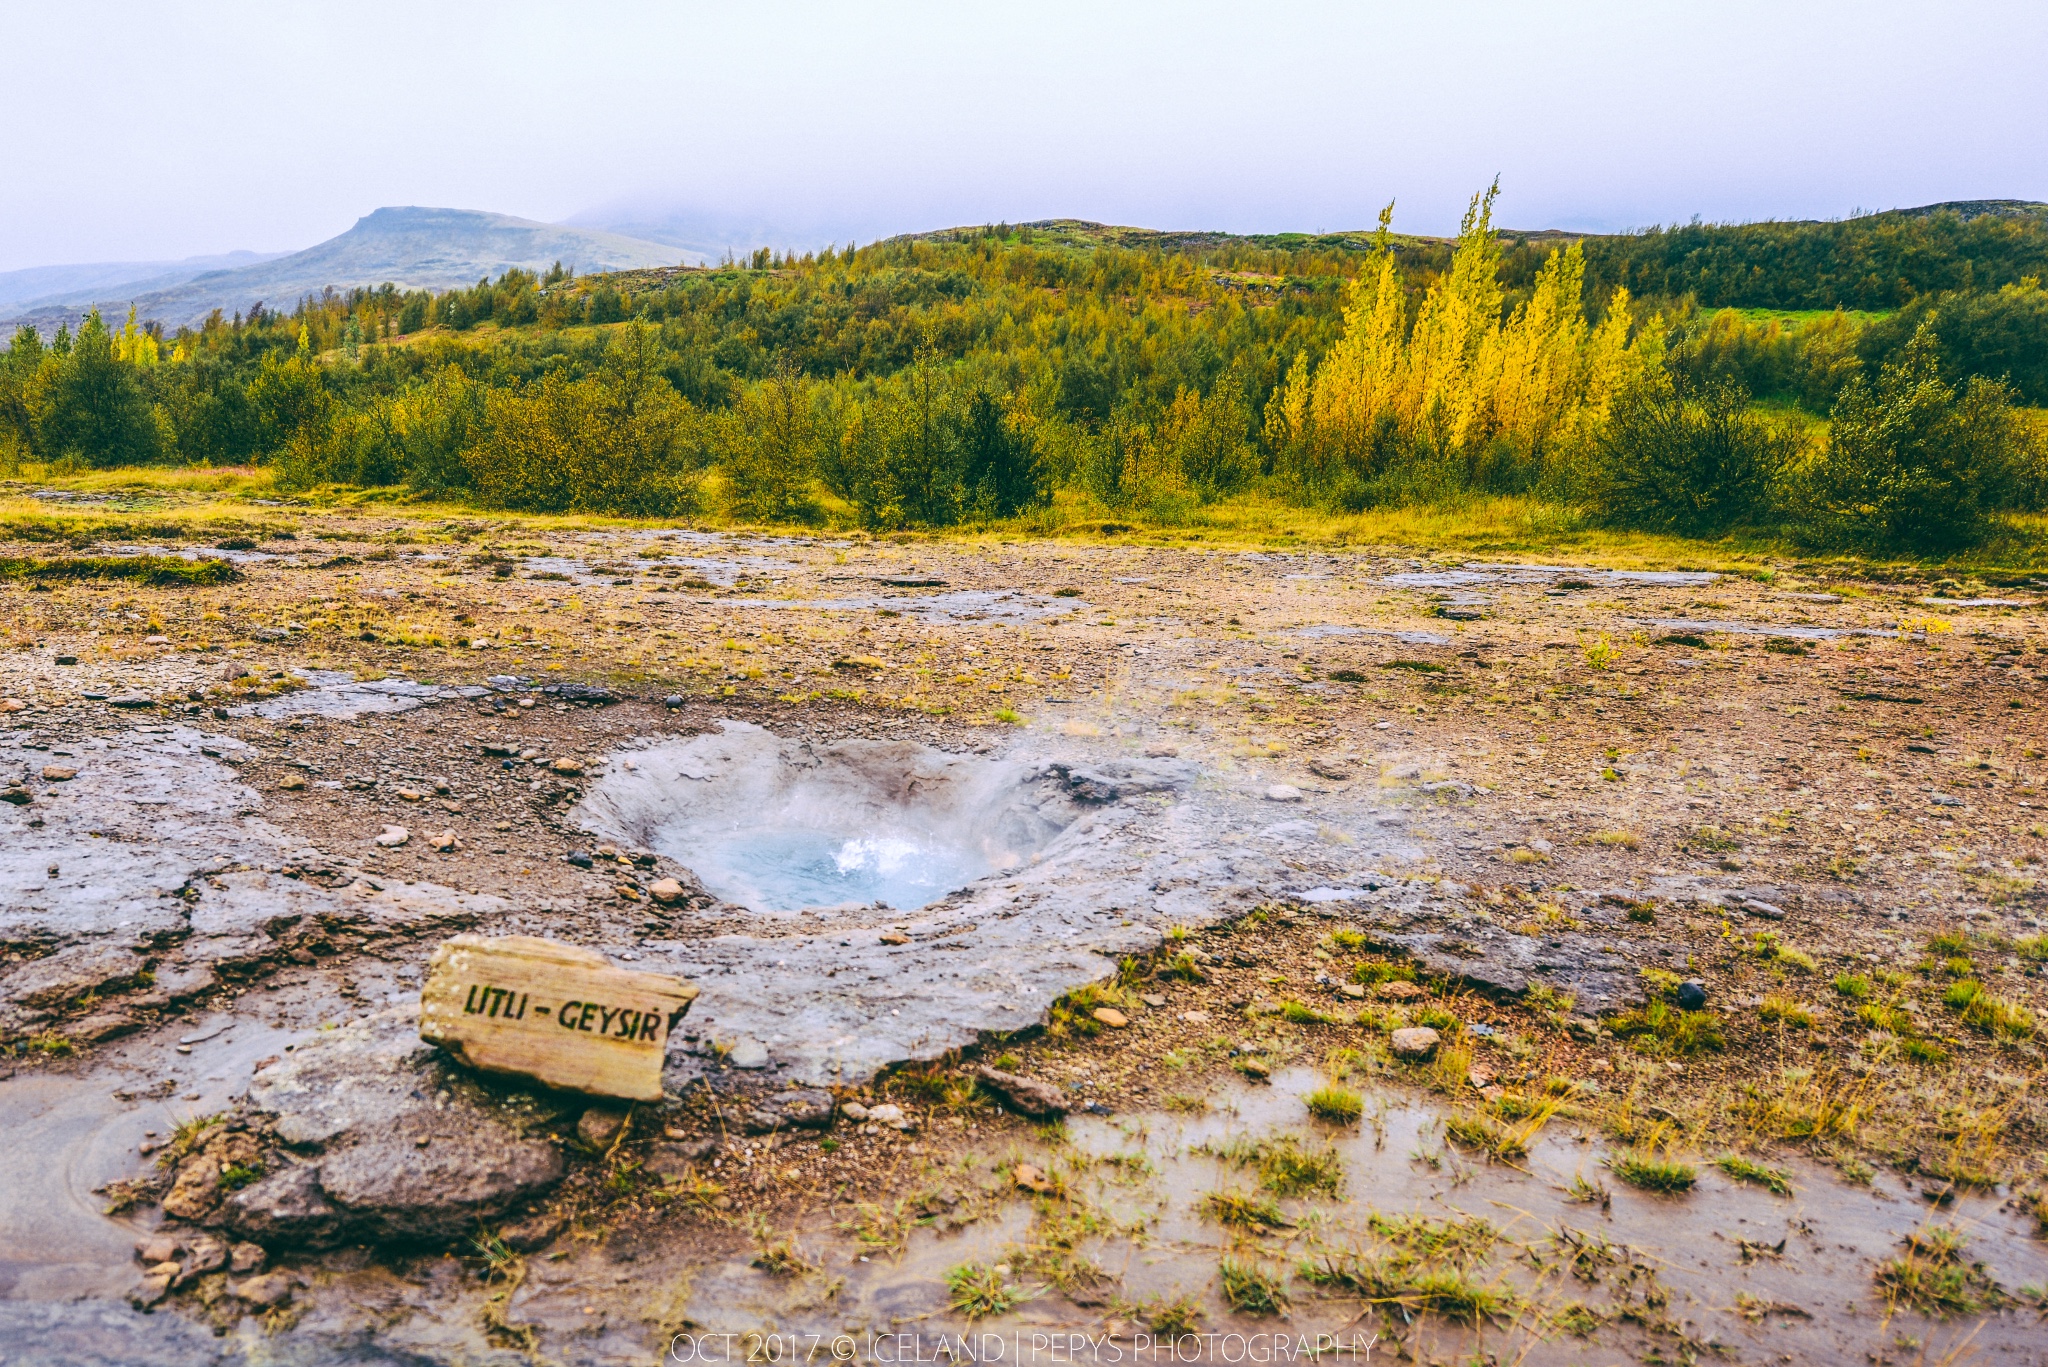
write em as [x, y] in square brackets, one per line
[976, 376]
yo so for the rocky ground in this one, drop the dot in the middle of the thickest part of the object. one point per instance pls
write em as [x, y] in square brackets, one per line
[1690, 864]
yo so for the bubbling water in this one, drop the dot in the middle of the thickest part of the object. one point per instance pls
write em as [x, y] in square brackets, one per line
[783, 868]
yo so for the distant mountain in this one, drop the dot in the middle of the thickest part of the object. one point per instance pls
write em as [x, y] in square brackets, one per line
[411, 248]
[55, 284]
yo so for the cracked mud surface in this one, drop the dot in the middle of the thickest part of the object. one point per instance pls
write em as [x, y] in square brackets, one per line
[1523, 783]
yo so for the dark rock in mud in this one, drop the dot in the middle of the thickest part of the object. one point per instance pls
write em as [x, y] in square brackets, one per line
[803, 1108]
[1691, 995]
[1026, 1095]
[589, 695]
[600, 1126]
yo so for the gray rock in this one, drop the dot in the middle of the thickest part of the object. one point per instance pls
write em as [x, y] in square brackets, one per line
[748, 1053]
[1691, 995]
[803, 1108]
[409, 1150]
[1026, 1095]
[399, 1191]
[287, 1209]
[1415, 1043]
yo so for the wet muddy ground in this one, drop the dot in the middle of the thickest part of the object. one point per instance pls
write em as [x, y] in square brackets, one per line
[1681, 869]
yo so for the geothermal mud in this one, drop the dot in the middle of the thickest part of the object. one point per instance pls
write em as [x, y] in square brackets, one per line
[890, 807]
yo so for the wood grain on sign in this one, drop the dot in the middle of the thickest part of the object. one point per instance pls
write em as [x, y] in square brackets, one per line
[559, 1014]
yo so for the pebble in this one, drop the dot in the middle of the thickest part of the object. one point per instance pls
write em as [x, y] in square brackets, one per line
[1415, 1042]
[391, 837]
[666, 891]
[58, 773]
[1283, 792]
[600, 1126]
[890, 1114]
[1692, 995]
[1111, 1017]
[291, 783]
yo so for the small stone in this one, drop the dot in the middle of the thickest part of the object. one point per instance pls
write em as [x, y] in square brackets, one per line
[1111, 1017]
[17, 795]
[748, 1053]
[600, 1126]
[1028, 1095]
[1031, 1178]
[566, 765]
[410, 795]
[208, 1255]
[673, 700]
[247, 1258]
[853, 1111]
[391, 837]
[156, 640]
[1402, 991]
[151, 1289]
[1415, 1042]
[272, 1288]
[1152, 999]
[67, 659]
[13, 705]
[1283, 792]
[1692, 995]
[1479, 1078]
[445, 842]
[579, 859]
[1195, 1017]
[1257, 1069]
[894, 937]
[160, 1248]
[130, 700]
[59, 773]
[666, 891]
[890, 1114]
[1355, 991]
[799, 1108]
[291, 783]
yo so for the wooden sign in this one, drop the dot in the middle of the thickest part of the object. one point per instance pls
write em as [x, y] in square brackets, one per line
[556, 1013]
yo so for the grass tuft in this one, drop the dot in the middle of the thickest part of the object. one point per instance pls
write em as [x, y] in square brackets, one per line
[1648, 1172]
[1250, 1289]
[1338, 1105]
[978, 1290]
[1773, 1180]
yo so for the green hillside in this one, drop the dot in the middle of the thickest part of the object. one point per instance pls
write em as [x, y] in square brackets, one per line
[1862, 384]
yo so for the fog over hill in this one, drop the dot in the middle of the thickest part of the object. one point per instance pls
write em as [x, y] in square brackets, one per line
[412, 248]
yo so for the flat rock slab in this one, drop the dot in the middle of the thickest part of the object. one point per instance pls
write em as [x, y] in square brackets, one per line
[166, 862]
[332, 693]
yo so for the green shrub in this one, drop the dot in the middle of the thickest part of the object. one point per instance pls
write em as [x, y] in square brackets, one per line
[1910, 462]
[1684, 458]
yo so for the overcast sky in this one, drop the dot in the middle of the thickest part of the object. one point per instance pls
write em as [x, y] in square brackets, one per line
[160, 130]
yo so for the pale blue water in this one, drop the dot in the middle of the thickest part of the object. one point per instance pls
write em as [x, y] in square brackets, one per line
[786, 868]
